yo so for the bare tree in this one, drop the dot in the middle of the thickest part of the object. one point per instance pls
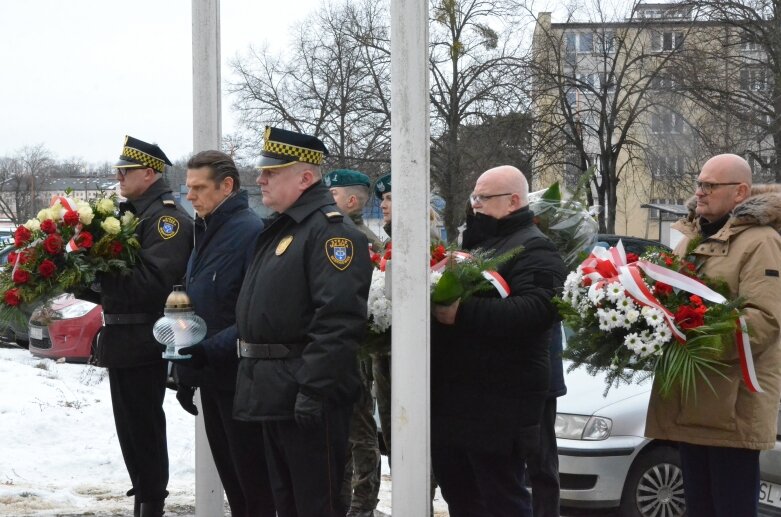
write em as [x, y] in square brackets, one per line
[21, 177]
[598, 101]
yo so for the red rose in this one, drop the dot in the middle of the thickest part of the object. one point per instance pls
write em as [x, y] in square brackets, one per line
[84, 240]
[375, 257]
[631, 257]
[115, 248]
[52, 244]
[11, 297]
[662, 289]
[668, 260]
[21, 276]
[688, 317]
[437, 254]
[71, 218]
[47, 268]
[11, 257]
[24, 256]
[22, 236]
[48, 226]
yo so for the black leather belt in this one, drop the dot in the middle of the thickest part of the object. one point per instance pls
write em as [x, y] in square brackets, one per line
[129, 319]
[269, 350]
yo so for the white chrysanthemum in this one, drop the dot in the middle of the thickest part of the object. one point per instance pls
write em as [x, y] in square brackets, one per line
[632, 315]
[33, 225]
[652, 316]
[639, 346]
[595, 294]
[625, 303]
[379, 307]
[105, 206]
[609, 319]
[111, 225]
[127, 218]
[663, 334]
[614, 291]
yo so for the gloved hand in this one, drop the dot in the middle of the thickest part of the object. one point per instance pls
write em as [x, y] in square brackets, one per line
[185, 394]
[308, 411]
[198, 353]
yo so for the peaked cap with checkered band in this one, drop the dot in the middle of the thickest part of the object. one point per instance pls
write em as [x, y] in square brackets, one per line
[282, 147]
[137, 153]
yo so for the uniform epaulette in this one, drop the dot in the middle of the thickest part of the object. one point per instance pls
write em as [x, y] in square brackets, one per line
[168, 200]
[333, 215]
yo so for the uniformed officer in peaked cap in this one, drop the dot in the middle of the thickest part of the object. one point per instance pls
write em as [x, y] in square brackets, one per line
[131, 304]
[300, 315]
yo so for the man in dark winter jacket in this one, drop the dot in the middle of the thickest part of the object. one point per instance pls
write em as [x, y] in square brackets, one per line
[226, 230]
[300, 314]
[131, 305]
[490, 368]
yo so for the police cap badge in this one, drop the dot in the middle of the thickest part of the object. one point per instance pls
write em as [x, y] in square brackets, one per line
[137, 153]
[282, 147]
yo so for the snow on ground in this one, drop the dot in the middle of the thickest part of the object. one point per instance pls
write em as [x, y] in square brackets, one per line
[59, 453]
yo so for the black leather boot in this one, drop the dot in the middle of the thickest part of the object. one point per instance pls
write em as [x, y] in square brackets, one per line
[152, 509]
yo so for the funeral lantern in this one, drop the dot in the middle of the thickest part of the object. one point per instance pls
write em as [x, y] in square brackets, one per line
[180, 326]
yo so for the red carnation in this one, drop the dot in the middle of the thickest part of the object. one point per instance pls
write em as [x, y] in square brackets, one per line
[71, 218]
[52, 244]
[696, 300]
[22, 236]
[662, 289]
[84, 240]
[47, 268]
[116, 248]
[668, 260]
[688, 317]
[11, 297]
[48, 226]
[20, 276]
[437, 254]
[631, 257]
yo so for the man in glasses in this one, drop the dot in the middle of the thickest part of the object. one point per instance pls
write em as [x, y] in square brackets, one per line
[131, 304]
[731, 234]
[301, 313]
[489, 358]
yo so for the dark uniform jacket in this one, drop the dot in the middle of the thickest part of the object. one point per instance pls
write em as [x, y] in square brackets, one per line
[307, 285]
[166, 237]
[224, 247]
[490, 370]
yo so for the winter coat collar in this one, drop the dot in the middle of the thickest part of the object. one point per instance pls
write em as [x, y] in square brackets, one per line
[761, 208]
[234, 203]
[155, 190]
[481, 228]
[313, 198]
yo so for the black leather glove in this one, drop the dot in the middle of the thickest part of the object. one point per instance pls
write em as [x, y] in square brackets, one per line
[308, 411]
[198, 353]
[185, 394]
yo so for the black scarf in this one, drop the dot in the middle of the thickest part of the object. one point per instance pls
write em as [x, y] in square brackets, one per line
[481, 227]
[707, 229]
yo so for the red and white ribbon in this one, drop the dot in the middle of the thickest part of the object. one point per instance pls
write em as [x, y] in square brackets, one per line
[746, 358]
[494, 278]
[70, 205]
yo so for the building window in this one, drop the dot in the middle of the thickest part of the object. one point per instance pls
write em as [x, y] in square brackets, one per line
[662, 82]
[666, 41]
[666, 123]
[666, 167]
[604, 43]
[579, 42]
[753, 79]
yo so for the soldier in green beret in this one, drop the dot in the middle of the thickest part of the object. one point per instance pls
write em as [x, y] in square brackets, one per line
[362, 473]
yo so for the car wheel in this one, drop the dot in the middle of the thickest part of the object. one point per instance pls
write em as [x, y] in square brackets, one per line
[654, 486]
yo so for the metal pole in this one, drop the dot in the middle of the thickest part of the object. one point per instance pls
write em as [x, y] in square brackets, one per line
[207, 134]
[410, 287]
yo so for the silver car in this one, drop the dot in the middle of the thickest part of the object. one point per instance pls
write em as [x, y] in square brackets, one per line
[606, 462]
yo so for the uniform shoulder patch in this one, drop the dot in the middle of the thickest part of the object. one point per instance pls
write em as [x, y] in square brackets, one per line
[167, 226]
[169, 202]
[339, 251]
[333, 216]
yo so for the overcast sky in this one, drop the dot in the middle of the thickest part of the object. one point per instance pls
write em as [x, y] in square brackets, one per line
[77, 75]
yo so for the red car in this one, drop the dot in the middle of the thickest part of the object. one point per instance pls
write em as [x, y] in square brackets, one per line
[66, 327]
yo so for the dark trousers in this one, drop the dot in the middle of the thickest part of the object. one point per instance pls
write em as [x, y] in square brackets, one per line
[543, 466]
[239, 455]
[720, 481]
[481, 485]
[306, 466]
[137, 396]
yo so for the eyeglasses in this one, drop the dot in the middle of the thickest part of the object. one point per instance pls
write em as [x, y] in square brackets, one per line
[478, 199]
[707, 187]
[124, 170]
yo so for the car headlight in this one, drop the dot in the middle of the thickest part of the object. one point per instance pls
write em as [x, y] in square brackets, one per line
[582, 427]
[77, 310]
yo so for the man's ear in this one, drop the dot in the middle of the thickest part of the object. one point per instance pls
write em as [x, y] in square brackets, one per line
[742, 192]
[227, 184]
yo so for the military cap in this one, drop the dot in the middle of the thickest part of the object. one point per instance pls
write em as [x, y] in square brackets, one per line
[346, 178]
[136, 153]
[382, 185]
[282, 147]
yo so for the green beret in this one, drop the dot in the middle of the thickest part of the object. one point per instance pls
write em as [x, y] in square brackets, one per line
[382, 185]
[346, 178]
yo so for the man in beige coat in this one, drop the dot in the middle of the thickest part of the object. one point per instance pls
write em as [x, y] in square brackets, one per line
[721, 431]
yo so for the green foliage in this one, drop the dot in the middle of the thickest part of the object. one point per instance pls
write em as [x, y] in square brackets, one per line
[462, 279]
